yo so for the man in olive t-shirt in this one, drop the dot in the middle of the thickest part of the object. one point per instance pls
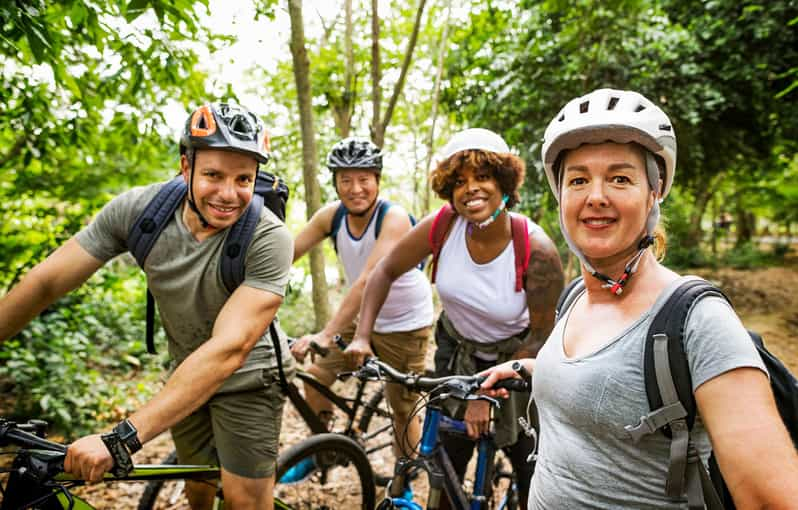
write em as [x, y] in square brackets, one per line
[221, 401]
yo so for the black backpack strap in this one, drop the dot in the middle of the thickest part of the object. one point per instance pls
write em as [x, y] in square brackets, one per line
[237, 243]
[670, 394]
[150, 223]
[145, 231]
[233, 270]
[335, 226]
[150, 327]
[568, 296]
[278, 351]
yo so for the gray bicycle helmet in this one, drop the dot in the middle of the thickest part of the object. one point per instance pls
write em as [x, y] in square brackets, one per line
[228, 127]
[355, 153]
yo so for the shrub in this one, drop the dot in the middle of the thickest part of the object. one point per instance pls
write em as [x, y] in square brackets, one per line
[82, 363]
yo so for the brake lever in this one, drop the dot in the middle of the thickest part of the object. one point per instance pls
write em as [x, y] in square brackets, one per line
[491, 400]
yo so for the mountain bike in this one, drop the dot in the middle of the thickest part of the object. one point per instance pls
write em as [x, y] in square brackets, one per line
[432, 457]
[367, 421]
[37, 481]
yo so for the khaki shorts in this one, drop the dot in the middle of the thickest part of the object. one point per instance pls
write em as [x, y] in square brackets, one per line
[238, 428]
[404, 351]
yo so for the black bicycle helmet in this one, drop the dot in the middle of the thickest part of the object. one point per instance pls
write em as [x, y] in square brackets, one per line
[226, 126]
[355, 153]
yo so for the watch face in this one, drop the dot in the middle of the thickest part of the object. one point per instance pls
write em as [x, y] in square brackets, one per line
[125, 429]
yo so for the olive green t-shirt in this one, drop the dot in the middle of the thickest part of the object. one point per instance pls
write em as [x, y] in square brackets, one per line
[183, 273]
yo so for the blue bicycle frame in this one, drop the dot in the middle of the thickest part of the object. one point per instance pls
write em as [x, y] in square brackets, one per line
[432, 453]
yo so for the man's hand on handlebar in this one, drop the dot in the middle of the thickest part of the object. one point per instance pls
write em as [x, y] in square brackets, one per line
[357, 352]
[300, 347]
[88, 459]
[517, 369]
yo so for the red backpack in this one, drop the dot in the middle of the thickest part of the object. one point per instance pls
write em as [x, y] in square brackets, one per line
[520, 233]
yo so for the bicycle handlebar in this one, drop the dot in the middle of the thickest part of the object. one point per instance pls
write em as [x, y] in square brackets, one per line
[22, 434]
[461, 385]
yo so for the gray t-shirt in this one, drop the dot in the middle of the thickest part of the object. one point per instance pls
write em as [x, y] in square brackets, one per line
[586, 458]
[183, 273]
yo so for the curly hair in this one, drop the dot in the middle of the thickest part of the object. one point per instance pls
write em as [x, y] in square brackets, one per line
[508, 170]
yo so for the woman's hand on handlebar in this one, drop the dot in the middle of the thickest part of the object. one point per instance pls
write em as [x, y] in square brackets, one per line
[504, 371]
[357, 352]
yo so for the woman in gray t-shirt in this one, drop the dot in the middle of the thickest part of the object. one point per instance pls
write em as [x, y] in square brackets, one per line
[610, 158]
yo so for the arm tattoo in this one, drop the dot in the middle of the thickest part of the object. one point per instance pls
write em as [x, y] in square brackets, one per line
[544, 282]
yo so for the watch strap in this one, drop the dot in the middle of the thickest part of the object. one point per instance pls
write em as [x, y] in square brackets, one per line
[123, 464]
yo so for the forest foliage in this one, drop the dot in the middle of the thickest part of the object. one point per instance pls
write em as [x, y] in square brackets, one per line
[85, 87]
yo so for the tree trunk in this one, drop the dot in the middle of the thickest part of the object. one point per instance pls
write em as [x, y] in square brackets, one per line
[435, 98]
[746, 222]
[301, 66]
[701, 197]
[343, 108]
[379, 125]
[376, 72]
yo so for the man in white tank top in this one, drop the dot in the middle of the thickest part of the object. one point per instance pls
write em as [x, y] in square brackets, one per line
[364, 229]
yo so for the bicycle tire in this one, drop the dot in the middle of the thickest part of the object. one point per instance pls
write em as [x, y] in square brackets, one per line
[341, 475]
[375, 408]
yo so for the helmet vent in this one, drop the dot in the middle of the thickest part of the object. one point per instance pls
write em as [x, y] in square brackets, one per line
[584, 106]
[241, 127]
[612, 103]
[640, 108]
[664, 127]
[562, 118]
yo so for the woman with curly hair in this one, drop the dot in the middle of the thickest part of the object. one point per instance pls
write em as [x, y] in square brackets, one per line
[490, 314]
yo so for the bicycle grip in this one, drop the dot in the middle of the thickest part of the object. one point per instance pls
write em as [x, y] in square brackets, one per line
[318, 349]
[340, 342]
[512, 385]
[521, 370]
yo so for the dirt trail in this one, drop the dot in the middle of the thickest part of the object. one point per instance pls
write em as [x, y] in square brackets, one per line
[767, 302]
[765, 299]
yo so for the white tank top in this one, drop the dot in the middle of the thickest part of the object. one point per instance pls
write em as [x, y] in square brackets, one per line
[480, 299]
[409, 302]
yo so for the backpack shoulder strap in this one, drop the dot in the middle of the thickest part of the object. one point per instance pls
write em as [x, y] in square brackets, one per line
[156, 215]
[236, 244]
[337, 219]
[145, 231]
[667, 328]
[568, 296]
[520, 233]
[382, 210]
[440, 225]
[669, 390]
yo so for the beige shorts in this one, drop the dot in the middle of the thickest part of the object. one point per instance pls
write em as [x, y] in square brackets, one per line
[405, 351]
[237, 429]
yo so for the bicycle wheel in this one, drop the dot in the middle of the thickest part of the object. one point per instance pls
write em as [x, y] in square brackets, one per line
[325, 471]
[166, 494]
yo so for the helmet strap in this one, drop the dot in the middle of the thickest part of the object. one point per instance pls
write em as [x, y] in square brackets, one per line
[191, 202]
[616, 286]
[483, 224]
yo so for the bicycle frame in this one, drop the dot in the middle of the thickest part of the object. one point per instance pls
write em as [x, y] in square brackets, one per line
[349, 406]
[27, 486]
[442, 477]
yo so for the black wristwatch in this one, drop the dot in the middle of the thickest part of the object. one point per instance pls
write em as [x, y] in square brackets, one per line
[129, 436]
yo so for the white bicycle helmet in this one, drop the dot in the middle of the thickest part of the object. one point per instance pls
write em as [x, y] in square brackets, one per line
[475, 139]
[608, 115]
